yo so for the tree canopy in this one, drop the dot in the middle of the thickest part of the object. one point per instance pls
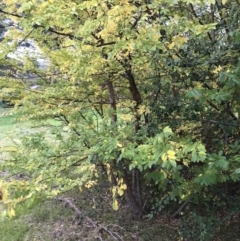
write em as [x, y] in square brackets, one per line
[147, 92]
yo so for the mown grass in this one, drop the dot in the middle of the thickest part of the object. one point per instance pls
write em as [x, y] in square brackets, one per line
[10, 128]
[7, 121]
[13, 230]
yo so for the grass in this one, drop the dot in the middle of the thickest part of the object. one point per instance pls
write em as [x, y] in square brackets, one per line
[9, 127]
[13, 230]
[12, 129]
[7, 121]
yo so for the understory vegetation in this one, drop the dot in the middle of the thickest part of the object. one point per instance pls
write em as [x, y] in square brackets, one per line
[132, 129]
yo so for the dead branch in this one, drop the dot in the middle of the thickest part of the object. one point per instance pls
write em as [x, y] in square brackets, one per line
[98, 229]
[180, 209]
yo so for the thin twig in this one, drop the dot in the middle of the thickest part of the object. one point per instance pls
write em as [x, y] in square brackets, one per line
[180, 209]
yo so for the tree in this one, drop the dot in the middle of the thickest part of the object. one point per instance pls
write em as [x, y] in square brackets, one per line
[137, 86]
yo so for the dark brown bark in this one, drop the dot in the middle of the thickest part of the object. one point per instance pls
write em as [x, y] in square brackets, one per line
[134, 191]
[136, 186]
[112, 100]
[135, 207]
[132, 179]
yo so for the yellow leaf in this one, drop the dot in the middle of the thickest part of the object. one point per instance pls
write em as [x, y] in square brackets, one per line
[119, 145]
[171, 155]
[114, 190]
[171, 45]
[185, 163]
[11, 212]
[177, 41]
[115, 205]
[89, 184]
[109, 172]
[120, 181]
[126, 117]
[123, 187]
[217, 70]
[4, 194]
[120, 192]
[224, 2]
[109, 178]
[164, 157]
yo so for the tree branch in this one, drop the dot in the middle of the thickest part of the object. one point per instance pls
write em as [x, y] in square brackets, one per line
[11, 14]
[180, 209]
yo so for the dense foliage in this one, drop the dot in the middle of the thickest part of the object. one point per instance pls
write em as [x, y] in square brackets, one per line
[147, 92]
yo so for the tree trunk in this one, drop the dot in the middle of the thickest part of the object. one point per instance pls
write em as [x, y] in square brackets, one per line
[134, 205]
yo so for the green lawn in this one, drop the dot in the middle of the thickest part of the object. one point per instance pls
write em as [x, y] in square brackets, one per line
[13, 129]
[7, 120]
[9, 127]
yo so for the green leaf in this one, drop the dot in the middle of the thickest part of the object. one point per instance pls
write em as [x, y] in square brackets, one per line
[237, 171]
[223, 164]
[167, 131]
[194, 93]
[206, 179]
[173, 163]
[224, 2]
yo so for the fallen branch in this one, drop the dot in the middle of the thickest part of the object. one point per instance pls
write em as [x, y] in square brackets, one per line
[98, 229]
